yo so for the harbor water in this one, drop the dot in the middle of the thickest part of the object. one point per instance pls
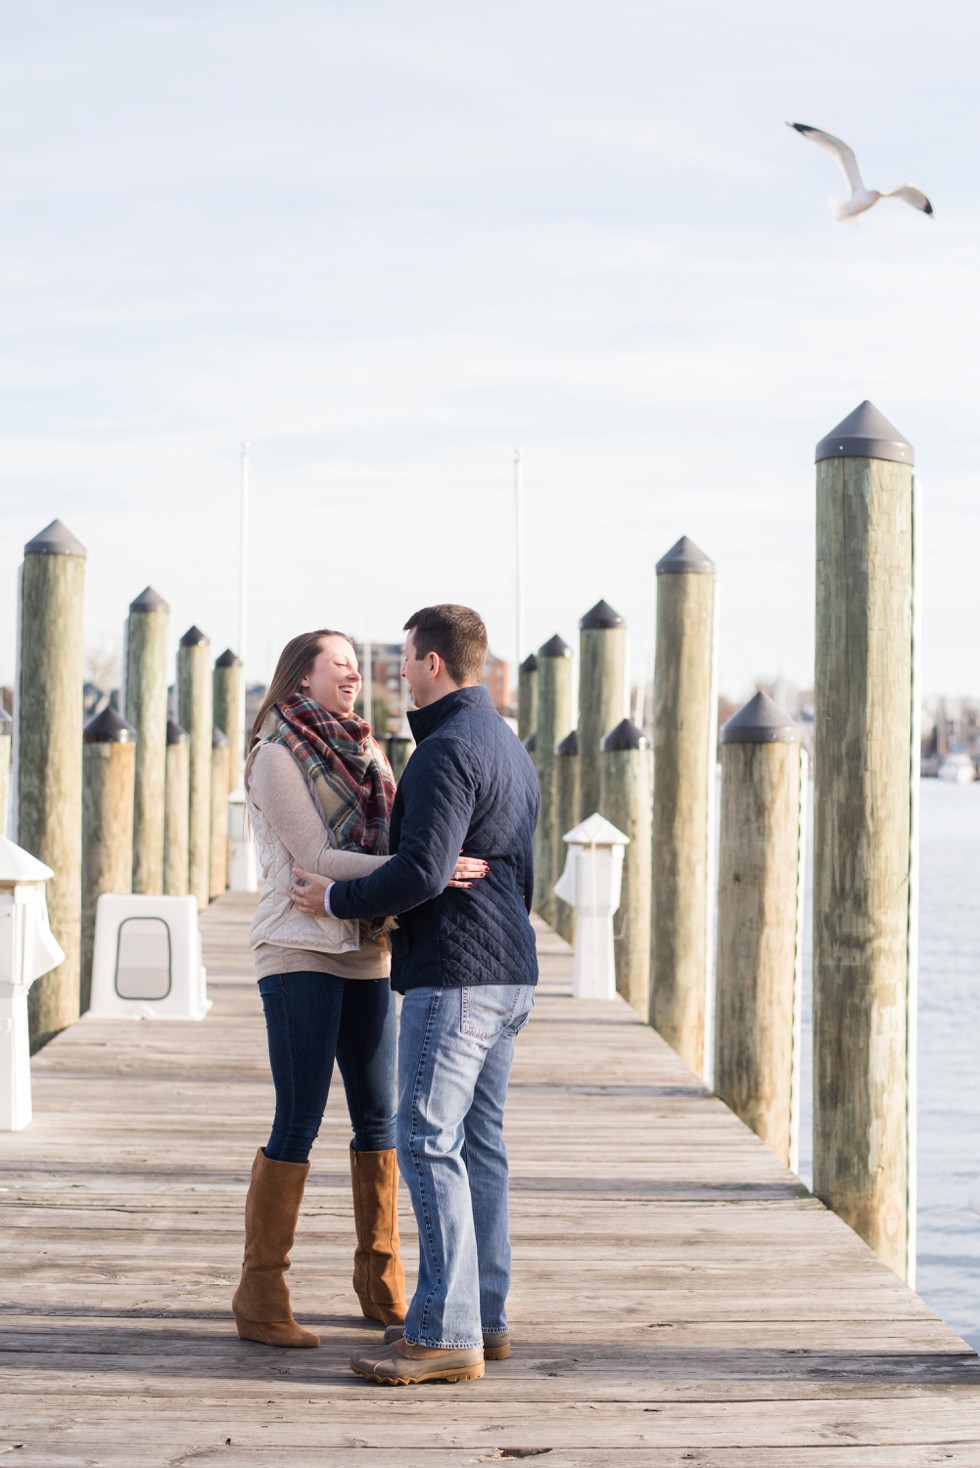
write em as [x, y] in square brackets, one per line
[948, 1250]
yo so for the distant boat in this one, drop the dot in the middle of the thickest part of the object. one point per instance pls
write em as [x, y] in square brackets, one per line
[957, 768]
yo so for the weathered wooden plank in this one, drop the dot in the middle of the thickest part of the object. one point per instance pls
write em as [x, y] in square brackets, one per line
[136, 1455]
[310, 1420]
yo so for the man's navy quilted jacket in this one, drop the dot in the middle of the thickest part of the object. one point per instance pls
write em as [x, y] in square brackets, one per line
[469, 786]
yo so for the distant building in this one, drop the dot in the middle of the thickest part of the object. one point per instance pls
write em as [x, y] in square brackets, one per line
[388, 689]
[496, 678]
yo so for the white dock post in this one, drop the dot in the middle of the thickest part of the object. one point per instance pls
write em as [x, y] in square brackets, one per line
[592, 883]
[28, 949]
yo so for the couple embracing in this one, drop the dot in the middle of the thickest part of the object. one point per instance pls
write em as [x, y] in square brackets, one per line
[431, 882]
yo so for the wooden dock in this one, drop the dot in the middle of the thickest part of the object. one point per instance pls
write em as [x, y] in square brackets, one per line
[679, 1300]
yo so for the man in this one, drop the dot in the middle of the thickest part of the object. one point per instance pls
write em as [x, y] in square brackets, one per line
[466, 964]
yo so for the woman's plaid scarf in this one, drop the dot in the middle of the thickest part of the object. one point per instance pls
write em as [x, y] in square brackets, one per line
[346, 770]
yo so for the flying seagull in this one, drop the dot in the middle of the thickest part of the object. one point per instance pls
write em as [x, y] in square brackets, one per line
[861, 198]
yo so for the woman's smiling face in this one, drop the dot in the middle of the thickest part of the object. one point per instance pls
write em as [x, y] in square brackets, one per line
[333, 681]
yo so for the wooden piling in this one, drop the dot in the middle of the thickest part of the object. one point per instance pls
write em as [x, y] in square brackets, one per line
[554, 722]
[601, 696]
[109, 781]
[400, 747]
[626, 799]
[228, 706]
[760, 922]
[684, 724]
[220, 760]
[176, 822]
[567, 795]
[6, 739]
[195, 714]
[527, 697]
[147, 634]
[48, 744]
[866, 771]
[228, 711]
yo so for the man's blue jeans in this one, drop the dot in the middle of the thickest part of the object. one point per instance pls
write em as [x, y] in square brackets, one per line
[455, 1049]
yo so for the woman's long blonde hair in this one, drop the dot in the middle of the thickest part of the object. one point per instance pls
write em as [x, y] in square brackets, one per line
[295, 661]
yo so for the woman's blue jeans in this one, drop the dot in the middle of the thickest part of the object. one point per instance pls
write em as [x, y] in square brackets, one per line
[313, 1019]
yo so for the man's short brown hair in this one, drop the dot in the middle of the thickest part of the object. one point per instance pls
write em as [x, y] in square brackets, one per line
[457, 634]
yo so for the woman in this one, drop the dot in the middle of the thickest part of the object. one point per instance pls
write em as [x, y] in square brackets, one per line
[319, 793]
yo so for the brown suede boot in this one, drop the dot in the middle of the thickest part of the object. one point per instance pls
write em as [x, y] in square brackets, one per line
[379, 1280]
[261, 1302]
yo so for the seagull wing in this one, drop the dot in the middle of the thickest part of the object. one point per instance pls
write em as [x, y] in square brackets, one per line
[911, 195]
[844, 155]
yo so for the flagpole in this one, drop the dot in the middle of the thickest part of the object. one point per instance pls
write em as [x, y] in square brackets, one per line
[519, 557]
[243, 572]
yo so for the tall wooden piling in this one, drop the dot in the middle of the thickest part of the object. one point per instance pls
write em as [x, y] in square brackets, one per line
[567, 796]
[601, 695]
[48, 749]
[195, 714]
[229, 708]
[760, 922]
[147, 634]
[109, 775]
[626, 796]
[554, 722]
[866, 769]
[527, 697]
[220, 760]
[6, 739]
[684, 724]
[176, 828]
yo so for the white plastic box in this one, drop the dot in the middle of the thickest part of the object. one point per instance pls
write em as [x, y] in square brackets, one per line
[147, 959]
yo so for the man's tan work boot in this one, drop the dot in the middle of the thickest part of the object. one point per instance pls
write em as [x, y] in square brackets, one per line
[402, 1364]
[261, 1302]
[496, 1343]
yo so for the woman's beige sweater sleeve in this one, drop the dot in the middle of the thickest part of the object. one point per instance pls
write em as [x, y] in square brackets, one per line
[279, 789]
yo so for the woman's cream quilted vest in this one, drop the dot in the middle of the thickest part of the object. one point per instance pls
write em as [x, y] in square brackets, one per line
[277, 921]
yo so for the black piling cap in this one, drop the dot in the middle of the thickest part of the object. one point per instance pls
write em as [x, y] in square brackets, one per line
[685, 558]
[228, 660]
[601, 616]
[531, 742]
[219, 739]
[149, 601]
[108, 728]
[177, 735]
[568, 745]
[625, 736]
[554, 648]
[865, 434]
[760, 721]
[193, 637]
[5, 719]
[55, 540]
[530, 664]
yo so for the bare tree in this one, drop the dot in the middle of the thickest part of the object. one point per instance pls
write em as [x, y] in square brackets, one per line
[103, 663]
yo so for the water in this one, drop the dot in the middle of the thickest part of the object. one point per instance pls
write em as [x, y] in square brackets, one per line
[948, 1252]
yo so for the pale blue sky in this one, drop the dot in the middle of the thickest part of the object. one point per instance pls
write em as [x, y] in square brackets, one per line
[386, 242]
